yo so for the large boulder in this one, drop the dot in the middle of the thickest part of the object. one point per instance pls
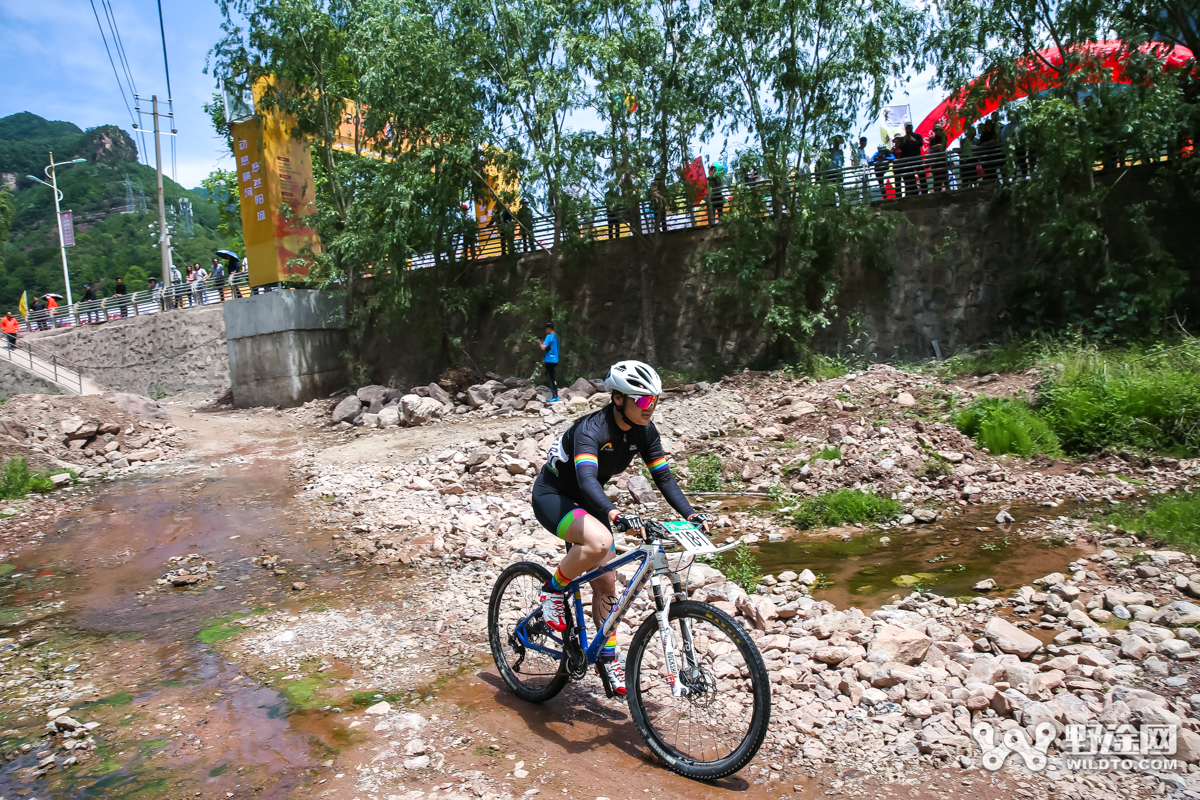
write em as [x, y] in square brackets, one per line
[1011, 639]
[389, 416]
[582, 387]
[417, 410]
[347, 410]
[640, 488]
[479, 395]
[1179, 613]
[901, 644]
[1117, 597]
[529, 450]
[374, 397]
[141, 407]
[439, 394]
[11, 427]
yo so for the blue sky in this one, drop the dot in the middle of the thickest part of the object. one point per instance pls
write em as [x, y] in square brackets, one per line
[55, 66]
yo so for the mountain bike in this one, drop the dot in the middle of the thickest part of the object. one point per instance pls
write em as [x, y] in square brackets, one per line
[697, 687]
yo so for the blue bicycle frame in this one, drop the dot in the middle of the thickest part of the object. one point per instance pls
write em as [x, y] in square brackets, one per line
[652, 558]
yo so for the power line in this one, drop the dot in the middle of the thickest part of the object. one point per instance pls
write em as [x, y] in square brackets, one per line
[119, 45]
[162, 30]
[120, 86]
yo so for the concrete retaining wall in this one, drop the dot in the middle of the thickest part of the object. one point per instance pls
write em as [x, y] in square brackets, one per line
[14, 380]
[173, 352]
[285, 348]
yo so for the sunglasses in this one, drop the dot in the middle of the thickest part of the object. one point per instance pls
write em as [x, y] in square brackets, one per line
[646, 403]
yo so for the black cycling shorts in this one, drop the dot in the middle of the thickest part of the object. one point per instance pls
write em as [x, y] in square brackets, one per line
[554, 508]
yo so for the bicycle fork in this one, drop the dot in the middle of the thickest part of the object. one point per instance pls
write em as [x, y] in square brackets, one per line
[662, 605]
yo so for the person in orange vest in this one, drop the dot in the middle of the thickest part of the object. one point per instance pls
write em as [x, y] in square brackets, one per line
[9, 327]
[51, 305]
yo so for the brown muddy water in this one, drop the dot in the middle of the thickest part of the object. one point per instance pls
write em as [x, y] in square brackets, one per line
[868, 568]
[175, 717]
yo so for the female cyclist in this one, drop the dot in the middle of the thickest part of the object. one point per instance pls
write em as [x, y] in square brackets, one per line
[569, 498]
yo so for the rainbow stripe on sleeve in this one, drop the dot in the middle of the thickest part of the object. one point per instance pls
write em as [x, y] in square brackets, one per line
[657, 464]
[586, 458]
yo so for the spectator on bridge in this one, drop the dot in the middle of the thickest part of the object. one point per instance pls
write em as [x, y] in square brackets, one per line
[89, 303]
[716, 191]
[881, 161]
[912, 171]
[938, 141]
[52, 310]
[120, 292]
[967, 165]
[175, 297]
[218, 273]
[199, 285]
[858, 161]
[989, 148]
[10, 327]
[37, 314]
[525, 222]
[470, 235]
[235, 269]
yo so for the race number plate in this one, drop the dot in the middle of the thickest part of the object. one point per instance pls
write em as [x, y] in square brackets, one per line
[691, 537]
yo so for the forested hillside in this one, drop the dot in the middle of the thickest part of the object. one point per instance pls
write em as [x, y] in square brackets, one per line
[113, 199]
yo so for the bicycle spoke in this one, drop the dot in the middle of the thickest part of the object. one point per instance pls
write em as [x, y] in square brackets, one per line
[710, 722]
[535, 670]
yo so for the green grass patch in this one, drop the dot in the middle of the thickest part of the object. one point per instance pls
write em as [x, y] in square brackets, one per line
[933, 468]
[828, 453]
[705, 473]
[7, 568]
[738, 565]
[18, 480]
[1171, 518]
[844, 506]
[1007, 426]
[1009, 356]
[223, 628]
[1144, 400]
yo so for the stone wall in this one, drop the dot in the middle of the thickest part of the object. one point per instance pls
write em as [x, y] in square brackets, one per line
[179, 351]
[952, 269]
[14, 380]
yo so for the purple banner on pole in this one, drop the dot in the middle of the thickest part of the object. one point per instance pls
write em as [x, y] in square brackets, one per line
[68, 228]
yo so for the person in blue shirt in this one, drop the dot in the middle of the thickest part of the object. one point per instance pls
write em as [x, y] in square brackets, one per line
[550, 358]
[881, 161]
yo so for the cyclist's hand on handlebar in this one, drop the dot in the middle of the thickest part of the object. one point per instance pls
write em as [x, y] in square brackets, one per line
[628, 523]
[703, 519]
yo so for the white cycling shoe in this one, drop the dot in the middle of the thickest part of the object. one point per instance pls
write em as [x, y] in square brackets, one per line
[612, 675]
[554, 609]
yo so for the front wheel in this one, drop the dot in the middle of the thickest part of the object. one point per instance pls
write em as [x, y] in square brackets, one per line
[720, 722]
[530, 674]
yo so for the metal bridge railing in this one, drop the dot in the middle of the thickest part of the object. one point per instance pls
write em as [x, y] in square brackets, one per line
[42, 363]
[175, 297]
[899, 179]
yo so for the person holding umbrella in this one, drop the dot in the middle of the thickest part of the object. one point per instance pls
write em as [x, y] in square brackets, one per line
[52, 307]
[233, 267]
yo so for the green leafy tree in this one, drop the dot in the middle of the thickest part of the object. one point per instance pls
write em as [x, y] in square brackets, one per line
[1096, 267]
[7, 212]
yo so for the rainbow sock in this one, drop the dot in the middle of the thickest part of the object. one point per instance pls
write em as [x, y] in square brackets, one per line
[609, 651]
[559, 581]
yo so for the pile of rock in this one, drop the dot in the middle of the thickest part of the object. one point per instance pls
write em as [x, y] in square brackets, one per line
[380, 407]
[187, 570]
[96, 433]
[69, 740]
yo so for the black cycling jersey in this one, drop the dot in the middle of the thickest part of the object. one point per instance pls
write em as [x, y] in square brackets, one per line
[595, 448]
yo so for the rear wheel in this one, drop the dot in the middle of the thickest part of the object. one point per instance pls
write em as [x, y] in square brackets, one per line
[531, 675]
[717, 727]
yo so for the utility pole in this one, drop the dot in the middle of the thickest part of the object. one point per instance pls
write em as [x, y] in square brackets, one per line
[164, 238]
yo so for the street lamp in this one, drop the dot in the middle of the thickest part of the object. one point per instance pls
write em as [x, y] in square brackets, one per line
[53, 184]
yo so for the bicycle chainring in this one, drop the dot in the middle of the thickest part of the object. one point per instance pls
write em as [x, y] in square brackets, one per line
[576, 659]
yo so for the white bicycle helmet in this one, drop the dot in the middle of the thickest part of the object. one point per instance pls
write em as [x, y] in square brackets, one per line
[633, 379]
